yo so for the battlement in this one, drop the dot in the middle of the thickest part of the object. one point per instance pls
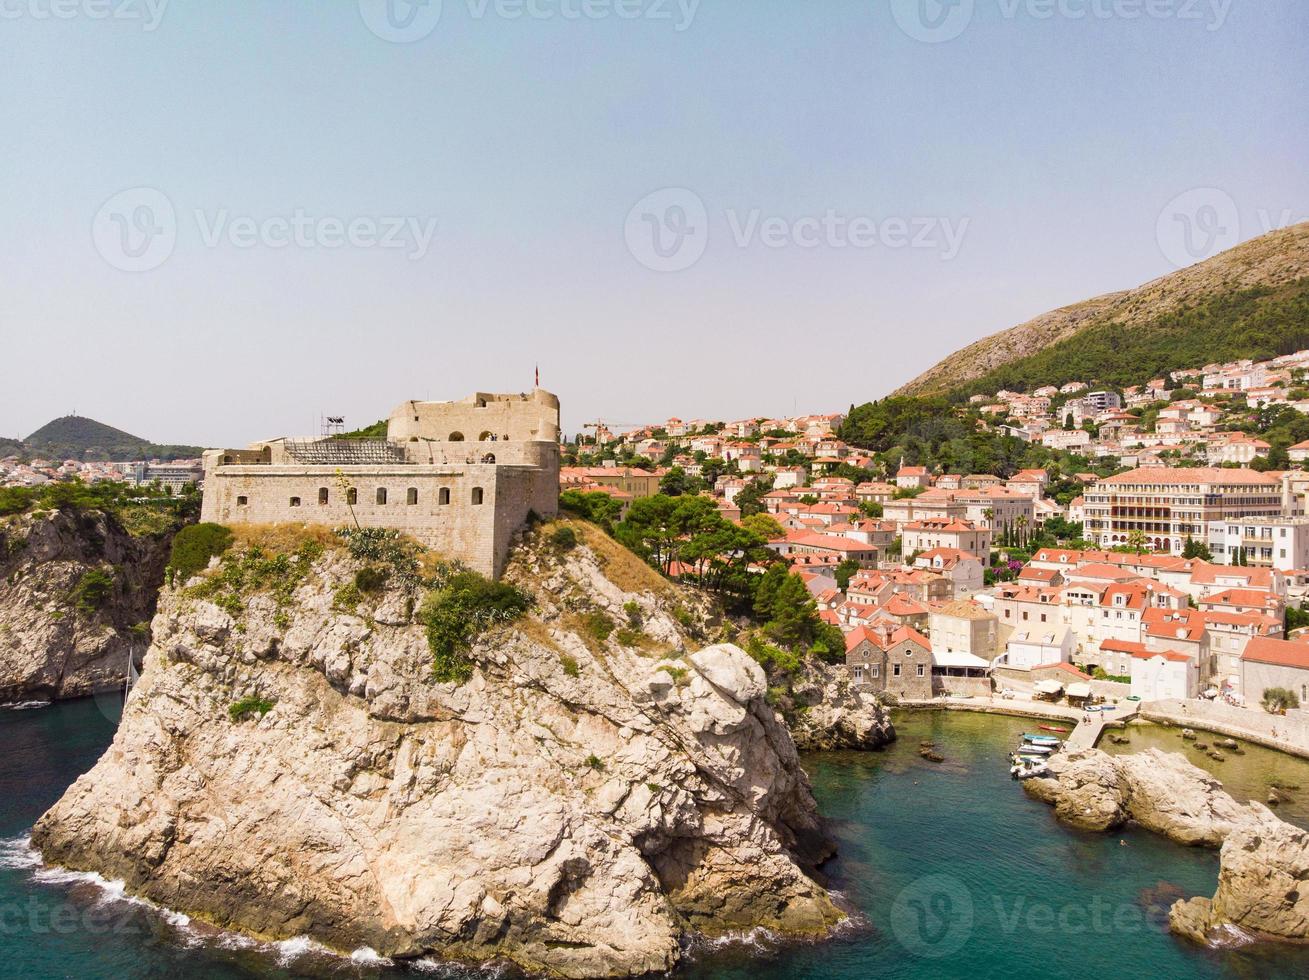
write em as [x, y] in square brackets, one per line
[462, 495]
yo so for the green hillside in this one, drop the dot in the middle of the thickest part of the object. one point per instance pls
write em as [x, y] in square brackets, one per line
[1257, 323]
[75, 437]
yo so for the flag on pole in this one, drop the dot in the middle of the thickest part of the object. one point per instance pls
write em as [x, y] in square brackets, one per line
[538, 376]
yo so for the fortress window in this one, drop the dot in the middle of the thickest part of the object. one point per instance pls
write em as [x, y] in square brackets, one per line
[477, 495]
[322, 495]
[295, 501]
[242, 501]
[443, 496]
[381, 495]
[411, 497]
[456, 437]
[484, 437]
[489, 458]
[352, 496]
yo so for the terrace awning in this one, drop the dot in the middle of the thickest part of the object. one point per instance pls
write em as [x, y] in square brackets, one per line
[1048, 687]
[1079, 690]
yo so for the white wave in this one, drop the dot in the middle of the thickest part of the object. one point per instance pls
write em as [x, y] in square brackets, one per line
[367, 956]
[18, 852]
[484, 971]
[287, 951]
[26, 705]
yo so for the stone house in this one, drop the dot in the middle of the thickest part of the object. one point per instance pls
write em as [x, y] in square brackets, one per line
[897, 662]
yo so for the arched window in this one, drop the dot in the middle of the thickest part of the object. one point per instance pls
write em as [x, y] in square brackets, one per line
[489, 458]
[322, 496]
[352, 496]
[456, 437]
[242, 501]
[295, 501]
[381, 495]
[443, 496]
[485, 437]
[477, 495]
[411, 497]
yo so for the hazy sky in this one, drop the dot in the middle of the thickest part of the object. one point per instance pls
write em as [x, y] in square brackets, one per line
[855, 188]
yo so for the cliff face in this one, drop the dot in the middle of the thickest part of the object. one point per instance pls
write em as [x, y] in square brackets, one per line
[587, 798]
[73, 584]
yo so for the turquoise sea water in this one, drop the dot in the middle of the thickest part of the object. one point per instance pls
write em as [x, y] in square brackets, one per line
[950, 870]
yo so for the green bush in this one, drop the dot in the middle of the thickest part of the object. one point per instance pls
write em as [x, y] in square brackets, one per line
[570, 665]
[92, 591]
[563, 538]
[247, 706]
[370, 579]
[595, 762]
[598, 625]
[630, 637]
[194, 546]
[457, 614]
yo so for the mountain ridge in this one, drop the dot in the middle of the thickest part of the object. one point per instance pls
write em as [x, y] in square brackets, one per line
[1275, 261]
[86, 439]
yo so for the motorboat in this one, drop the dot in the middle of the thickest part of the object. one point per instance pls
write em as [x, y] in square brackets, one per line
[1036, 749]
[1028, 768]
[1040, 739]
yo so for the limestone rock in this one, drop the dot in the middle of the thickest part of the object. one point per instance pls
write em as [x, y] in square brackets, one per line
[1263, 886]
[50, 649]
[833, 714]
[577, 807]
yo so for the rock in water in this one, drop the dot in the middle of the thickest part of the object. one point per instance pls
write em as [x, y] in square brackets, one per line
[1263, 886]
[57, 641]
[576, 807]
[1162, 791]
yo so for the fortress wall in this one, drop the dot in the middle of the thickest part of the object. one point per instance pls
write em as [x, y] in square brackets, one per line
[476, 534]
[511, 418]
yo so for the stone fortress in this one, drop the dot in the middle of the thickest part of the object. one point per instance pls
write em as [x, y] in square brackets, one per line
[460, 477]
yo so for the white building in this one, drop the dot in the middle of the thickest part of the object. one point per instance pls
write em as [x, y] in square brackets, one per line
[1164, 674]
[1276, 542]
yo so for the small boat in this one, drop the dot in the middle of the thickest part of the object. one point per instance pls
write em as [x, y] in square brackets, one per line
[1036, 749]
[1028, 768]
[1040, 739]
[1052, 728]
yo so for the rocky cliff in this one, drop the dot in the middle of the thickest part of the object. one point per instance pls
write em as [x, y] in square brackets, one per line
[76, 595]
[1263, 880]
[591, 795]
[827, 712]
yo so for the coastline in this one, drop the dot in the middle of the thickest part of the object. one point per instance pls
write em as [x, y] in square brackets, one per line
[1200, 715]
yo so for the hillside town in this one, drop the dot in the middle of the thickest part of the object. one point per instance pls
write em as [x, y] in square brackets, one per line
[14, 472]
[1173, 566]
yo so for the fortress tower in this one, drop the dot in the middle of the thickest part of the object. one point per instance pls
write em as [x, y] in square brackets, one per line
[460, 477]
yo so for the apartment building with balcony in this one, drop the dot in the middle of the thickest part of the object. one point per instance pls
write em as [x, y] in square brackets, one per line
[1168, 506]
